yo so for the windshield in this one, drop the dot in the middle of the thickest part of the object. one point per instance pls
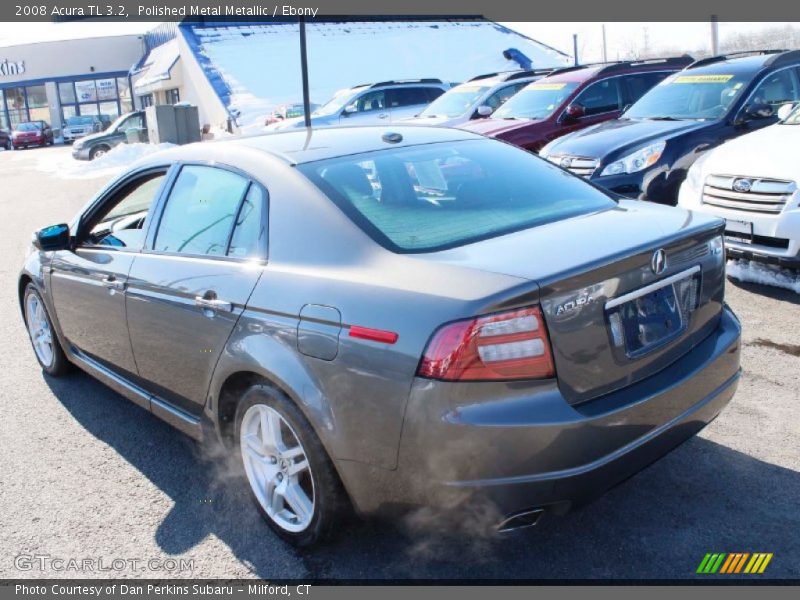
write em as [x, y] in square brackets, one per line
[435, 196]
[338, 102]
[683, 96]
[118, 122]
[80, 121]
[536, 101]
[455, 102]
[28, 127]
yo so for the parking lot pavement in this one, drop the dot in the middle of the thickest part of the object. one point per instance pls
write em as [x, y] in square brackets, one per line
[86, 474]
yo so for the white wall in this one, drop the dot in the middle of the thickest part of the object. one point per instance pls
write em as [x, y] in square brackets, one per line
[198, 91]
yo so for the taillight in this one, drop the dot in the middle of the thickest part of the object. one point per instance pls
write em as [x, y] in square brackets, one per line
[503, 346]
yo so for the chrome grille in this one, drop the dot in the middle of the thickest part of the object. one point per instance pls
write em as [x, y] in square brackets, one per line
[577, 165]
[689, 255]
[753, 194]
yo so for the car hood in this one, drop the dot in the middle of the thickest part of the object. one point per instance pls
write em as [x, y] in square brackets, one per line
[620, 134]
[614, 233]
[95, 136]
[493, 127]
[777, 156]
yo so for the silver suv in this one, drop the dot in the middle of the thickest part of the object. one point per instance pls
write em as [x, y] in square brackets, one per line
[373, 104]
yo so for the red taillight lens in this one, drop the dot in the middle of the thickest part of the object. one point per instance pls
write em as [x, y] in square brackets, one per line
[509, 345]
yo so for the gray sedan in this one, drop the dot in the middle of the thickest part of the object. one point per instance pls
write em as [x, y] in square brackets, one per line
[389, 318]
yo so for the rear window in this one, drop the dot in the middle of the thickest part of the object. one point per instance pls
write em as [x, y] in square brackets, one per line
[437, 196]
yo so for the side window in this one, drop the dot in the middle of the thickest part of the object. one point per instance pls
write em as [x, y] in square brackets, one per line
[371, 101]
[776, 89]
[641, 83]
[503, 94]
[249, 237]
[407, 96]
[433, 93]
[134, 122]
[600, 97]
[121, 223]
[200, 211]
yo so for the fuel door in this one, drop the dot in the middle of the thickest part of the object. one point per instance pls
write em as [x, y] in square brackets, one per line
[318, 331]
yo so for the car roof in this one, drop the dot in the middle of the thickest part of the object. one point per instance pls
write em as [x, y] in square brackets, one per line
[741, 65]
[308, 145]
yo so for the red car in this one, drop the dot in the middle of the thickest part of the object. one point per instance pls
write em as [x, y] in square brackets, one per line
[34, 133]
[573, 98]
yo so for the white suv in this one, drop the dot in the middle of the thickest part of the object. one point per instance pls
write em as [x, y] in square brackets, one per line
[476, 99]
[372, 104]
[752, 182]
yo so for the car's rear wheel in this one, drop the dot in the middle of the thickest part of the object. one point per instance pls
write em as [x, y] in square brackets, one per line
[291, 479]
[43, 339]
[8, 145]
[98, 152]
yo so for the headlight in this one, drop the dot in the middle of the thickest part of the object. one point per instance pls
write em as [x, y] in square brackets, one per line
[694, 177]
[636, 161]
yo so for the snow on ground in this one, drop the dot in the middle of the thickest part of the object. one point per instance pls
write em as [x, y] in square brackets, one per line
[64, 166]
[344, 54]
[752, 272]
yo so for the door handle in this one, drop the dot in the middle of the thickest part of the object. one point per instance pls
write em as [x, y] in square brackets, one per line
[383, 116]
[112, 283]
[213, 304]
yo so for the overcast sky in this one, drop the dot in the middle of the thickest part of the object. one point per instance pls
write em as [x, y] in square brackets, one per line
[621, 37]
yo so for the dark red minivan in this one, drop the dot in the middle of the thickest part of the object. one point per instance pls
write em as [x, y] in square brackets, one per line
[573, 98]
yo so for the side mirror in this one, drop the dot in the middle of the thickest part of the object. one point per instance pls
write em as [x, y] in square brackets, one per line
[55, 237]
[785, 110]
[350, 109]
[759, 110]
[484, 111]
[574, 111]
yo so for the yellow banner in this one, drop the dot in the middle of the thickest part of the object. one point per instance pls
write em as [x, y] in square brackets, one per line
[703, 79]
[547, 86]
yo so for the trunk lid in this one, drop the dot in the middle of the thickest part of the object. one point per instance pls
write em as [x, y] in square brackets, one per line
[585, 265]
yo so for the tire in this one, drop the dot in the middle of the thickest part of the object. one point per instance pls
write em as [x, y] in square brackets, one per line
[98, 151]
[265, 470]
[40, 327]
[9, 145]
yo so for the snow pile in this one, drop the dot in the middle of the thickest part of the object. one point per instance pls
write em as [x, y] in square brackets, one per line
[260, 63]
[753, 272]
[117, 159]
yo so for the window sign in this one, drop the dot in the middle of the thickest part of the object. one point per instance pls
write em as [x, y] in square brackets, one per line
[86, 91]
[106, 89]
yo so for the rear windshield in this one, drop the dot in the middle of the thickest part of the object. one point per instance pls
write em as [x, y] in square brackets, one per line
[437, 196]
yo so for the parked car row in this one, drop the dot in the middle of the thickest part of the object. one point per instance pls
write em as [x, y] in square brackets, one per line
[25, 135]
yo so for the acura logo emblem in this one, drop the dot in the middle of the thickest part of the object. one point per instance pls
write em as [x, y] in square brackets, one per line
[659, 261]
[742, 185]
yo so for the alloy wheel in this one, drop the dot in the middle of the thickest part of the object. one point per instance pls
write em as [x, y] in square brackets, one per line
[277, 468]
[39, 330]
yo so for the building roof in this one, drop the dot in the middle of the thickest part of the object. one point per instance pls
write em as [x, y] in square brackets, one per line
[344, 53]
[157, 66]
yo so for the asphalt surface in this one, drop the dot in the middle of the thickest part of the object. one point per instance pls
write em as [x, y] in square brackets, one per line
[86, 474]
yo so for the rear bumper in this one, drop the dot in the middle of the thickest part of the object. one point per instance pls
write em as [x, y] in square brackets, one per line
[532, 449]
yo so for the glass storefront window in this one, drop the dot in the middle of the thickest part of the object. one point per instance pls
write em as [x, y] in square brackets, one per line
[15, 98]
[106, 89]
[3, 120]
[67, 93]
[39, 114]
[17, 116]
[89, 109]
[37, 96]
[109, 109]
[69, 111]
[86, 91]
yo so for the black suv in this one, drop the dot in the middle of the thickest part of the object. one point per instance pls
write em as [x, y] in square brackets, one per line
[96, 145]
[647, 152]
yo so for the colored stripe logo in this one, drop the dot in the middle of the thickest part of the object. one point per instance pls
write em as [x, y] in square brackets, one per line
[734, 562]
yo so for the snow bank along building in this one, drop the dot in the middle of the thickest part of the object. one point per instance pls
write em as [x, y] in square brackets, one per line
[238, 72]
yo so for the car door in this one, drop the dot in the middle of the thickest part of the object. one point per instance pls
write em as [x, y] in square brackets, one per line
[88, 283]
[190, 284]
[408, 101]
[370, 108]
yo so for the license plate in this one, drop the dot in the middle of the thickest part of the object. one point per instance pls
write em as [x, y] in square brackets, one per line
[739, 231]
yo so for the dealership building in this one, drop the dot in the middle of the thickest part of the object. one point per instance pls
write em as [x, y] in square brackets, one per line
[236, 73]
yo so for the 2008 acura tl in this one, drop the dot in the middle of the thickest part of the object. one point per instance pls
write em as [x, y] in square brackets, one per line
[392, 318]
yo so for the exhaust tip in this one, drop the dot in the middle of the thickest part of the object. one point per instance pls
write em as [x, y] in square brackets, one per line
[521, 520]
